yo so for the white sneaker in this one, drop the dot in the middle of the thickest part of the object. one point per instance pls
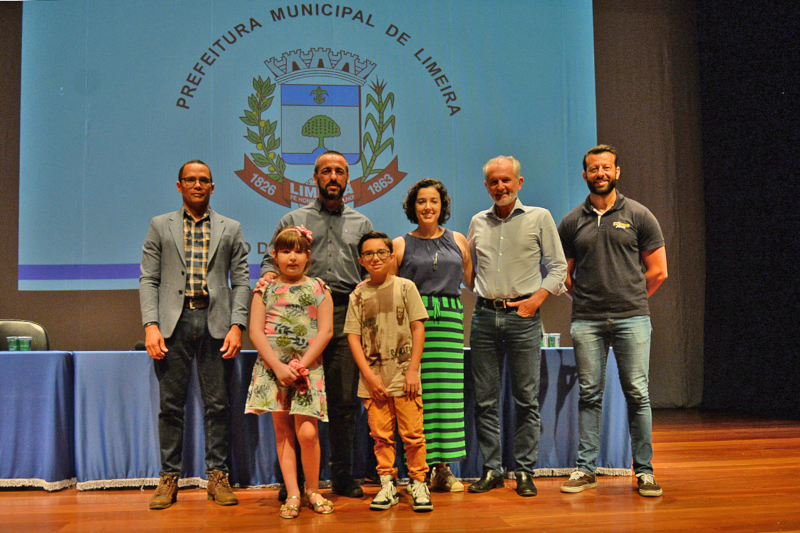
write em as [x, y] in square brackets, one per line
[421, 497]
[578, 482]
[445, 481]
[386, 497]
[648, 486]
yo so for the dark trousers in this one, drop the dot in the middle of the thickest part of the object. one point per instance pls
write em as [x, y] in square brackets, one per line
[192, 341]
[498, 335]
[341, 386]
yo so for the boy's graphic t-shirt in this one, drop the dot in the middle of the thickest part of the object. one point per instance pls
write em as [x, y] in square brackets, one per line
[382, 316]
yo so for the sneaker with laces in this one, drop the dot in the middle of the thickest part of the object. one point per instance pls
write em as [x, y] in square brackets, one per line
[579, 482]
[421, 498]
[648, 485]
[387, 496]
[445, 481]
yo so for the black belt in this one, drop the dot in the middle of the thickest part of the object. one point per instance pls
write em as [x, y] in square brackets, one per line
[499, 303]
[198, 302]
[340, 298]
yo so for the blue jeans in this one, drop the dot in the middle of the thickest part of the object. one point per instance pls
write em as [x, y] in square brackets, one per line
[499, 334]
[191, 340]
[630, 338]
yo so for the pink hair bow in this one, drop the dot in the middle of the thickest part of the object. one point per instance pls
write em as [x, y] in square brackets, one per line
[300, 230]
[305, 232]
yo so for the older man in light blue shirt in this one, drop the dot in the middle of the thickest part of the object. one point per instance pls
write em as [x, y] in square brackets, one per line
[509, 243]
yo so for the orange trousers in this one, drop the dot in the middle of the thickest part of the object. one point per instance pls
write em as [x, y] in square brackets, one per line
[407, 415]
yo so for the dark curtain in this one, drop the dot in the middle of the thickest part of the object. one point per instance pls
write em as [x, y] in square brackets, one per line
[750, 61]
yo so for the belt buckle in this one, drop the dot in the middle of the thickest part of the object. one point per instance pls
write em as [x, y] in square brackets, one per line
[194, 301]
[501, 301]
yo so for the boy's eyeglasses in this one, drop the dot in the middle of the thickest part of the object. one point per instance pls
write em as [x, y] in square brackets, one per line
[382, 255]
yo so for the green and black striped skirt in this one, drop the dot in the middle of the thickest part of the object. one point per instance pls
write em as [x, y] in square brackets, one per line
[442, 375]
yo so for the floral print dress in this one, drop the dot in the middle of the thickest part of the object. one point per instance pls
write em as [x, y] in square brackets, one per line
[291, 327]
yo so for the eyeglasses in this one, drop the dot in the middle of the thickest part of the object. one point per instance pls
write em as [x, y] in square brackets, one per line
[382, 255]
[190, 182]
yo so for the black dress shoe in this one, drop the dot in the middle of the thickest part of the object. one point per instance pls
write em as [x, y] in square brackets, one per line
[525, 486]
[348, 490]
[490, 480]
[372, 478]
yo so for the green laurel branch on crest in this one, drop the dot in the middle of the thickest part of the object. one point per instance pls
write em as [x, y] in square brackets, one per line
[381, 124]
[263, 134]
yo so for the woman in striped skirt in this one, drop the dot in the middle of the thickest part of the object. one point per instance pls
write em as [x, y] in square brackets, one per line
[435, 259]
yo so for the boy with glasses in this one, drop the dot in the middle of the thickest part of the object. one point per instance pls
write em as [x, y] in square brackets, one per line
[386, 334]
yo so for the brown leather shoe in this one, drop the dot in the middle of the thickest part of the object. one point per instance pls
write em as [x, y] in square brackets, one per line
[219, 489]
[166, 493]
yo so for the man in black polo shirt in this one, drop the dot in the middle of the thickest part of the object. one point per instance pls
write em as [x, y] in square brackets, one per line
[615, 262]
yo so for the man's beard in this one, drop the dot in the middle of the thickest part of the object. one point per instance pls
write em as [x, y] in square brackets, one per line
[609, 188]
[509, 199]
[331, 195]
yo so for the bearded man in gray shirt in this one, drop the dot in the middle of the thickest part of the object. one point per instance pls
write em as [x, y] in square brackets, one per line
[336, 229]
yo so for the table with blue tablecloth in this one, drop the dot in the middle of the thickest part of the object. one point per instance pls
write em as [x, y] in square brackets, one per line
[36, 420]
[116, 416]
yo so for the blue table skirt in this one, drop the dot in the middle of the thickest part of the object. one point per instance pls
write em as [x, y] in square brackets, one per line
[36, 414]
[116, 414]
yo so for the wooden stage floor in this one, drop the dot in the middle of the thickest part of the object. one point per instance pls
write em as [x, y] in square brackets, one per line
[719, 473]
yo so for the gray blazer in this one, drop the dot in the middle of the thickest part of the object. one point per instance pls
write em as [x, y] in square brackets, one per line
[163, 278]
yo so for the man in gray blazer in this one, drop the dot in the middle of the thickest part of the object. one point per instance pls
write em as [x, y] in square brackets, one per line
[189, 311]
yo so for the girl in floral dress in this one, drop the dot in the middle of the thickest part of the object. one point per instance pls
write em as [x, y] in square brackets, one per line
[290, 325]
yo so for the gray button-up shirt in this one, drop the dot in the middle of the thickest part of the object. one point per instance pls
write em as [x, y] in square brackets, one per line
[334, 251]
[507, 253]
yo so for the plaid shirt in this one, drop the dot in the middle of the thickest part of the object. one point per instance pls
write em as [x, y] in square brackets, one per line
[196, 238]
